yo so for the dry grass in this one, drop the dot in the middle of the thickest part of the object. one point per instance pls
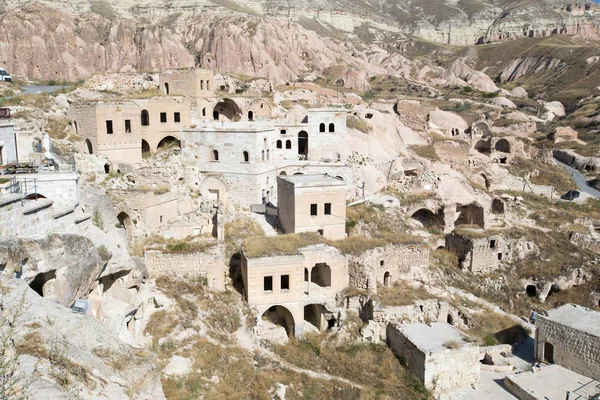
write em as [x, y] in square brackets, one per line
[492, 328]
[162, 189]
[161, 324]
[238, 230]
[426, 151]
[543, 174]
[401, 294]
[191, 244]
[444, 260]
[267, 246]
[57, 127]
[358, 124]
[372, 365]
[452, 344]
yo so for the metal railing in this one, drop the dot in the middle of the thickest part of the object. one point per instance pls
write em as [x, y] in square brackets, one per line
[27, 188]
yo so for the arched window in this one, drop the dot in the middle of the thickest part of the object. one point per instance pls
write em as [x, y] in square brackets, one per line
[250, 115]
[145, 118]
[215, 155]
[204, 112]
[166, 88]
[267, 154]
[279, 144]
[288, 144]
[246, 157]
[263, 155]
[322, 127]
[331, 127]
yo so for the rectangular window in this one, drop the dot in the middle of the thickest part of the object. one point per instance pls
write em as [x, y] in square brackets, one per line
[283, 131]
[127, 126]
[327, 208]
[313, 209]
[163, 117]
[285, 282]
[499, 256]
[268, 283]
[177, 117]
[492, 244]
[109, 128]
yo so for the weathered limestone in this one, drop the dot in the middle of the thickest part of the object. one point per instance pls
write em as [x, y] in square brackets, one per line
[570, 336]
[437, 353]
[312, 203]
[585, 241]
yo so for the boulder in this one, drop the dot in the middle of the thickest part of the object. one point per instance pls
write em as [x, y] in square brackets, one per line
[519, 92]
[445, 121]
[503, 102]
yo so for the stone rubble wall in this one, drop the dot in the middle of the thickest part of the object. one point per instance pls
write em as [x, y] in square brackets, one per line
[573, 349]
[585, 241]
[402, 261]
[450, 369]
[209, 264]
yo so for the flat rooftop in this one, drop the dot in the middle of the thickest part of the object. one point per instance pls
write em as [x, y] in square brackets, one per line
[577, 317]
[432, 338]
[232, 126]
[552, 383]
[313, 180]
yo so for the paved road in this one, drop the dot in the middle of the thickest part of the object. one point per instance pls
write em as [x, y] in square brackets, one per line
[580, 180]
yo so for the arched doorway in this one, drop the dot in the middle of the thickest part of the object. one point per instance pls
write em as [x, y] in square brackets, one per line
[483, 146]
[90, 149]
[125, 221]
[227, 110]
[166, 88]
[145, 118]
[250, 115]
[320, 275]
[303, 143]
[279, 315]
[76, 128]
[387, 279]
[282, 173]
[450, 319]
[107, 168]
[168, 142]
[145, 148]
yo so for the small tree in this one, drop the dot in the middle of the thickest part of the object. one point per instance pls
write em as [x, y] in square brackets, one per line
[11, 385]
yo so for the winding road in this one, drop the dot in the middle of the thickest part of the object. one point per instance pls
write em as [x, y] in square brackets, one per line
[580, 180]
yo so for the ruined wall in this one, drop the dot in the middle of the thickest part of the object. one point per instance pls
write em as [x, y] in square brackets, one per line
[401, 261]
[406, 351]
[585, 241]
[188, 82]
[478, 255]
[39, 216]
[573, 349]
[453, 152]
[209, 264]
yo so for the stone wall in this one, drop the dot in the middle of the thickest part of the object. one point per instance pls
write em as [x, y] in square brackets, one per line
[450, 369]
[585, 241]
[401, 261]
[573, 349]
[210, 264]
[453, 152]
[61, 188]
[40, 216]
[478, 255]
[188, 82]
[406, 351]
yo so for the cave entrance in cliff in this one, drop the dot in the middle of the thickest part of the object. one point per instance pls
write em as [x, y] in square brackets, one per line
[318, 316]
[90, 148]
[427, 218]
[227, 110]
[303, 143]
[168, 142]
[125, 221]
[279, 315]
[503, 146]
[531, 290]
[41, 280]
[483, 146]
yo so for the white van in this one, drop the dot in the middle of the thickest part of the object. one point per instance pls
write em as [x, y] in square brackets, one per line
[5, 76]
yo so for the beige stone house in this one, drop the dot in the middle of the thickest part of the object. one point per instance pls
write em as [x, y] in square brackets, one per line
[295, 289]
[312, 203]
[570, 336]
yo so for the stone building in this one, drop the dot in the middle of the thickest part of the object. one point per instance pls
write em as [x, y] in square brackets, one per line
[562, 134]
[312, 203]
[570, 336]
[477, 251]
[295, 289]
[388, 264]
[437, 353]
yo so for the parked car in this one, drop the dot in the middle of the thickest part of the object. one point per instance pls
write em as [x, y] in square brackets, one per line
[570, 195]
[5, 76]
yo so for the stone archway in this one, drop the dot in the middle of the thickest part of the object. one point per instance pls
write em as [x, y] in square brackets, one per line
[145, 148]
[168, 142]
[227, 110]
[503, 146]
[280, 315]
[125, 221]
[427, 218]
[387, 279]
[320, 275]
